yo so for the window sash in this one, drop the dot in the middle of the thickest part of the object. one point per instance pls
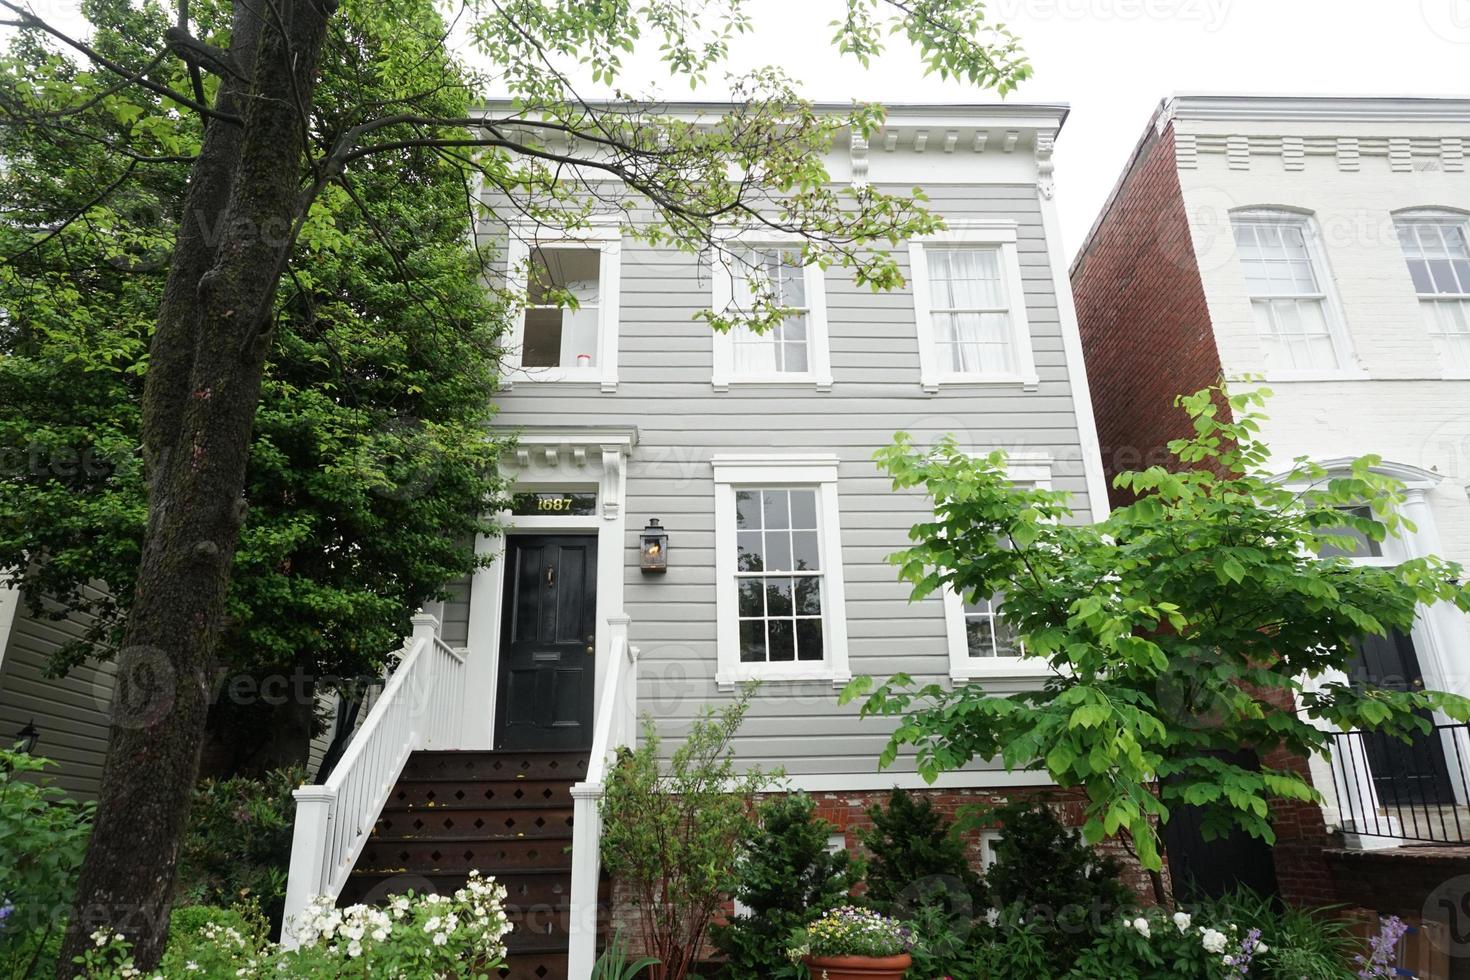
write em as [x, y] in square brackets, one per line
[786, 622]
[1438, 255]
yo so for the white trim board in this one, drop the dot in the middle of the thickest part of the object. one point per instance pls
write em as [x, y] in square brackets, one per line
[878, 781]
[9, 607]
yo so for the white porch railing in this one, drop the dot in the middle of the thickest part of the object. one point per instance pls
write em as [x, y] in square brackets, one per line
[420, 708]
[617, 727]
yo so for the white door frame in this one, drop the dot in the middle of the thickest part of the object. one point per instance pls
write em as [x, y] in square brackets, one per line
[9, 606]
[583, 458]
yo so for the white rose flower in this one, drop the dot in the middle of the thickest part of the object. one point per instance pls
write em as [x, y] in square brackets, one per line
[1213, 941]
[1182, 921]
[1141, 924]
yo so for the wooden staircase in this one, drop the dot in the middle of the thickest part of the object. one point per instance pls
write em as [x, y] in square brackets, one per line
[505, 814]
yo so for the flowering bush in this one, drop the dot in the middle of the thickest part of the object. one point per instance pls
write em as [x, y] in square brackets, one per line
[413, 937]
[849, 931]
[1152, 943]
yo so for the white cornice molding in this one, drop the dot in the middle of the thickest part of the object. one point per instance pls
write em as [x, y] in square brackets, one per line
[1282, 108]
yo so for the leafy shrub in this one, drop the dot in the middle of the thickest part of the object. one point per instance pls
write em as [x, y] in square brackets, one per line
[1045, 875]
[917, 860]
[238, 846]
[851, 931]
[946, 944]
[1153, 944]
[415, 936]
[43, 837]
[1303, 944]
[668, 836]
[786, 877]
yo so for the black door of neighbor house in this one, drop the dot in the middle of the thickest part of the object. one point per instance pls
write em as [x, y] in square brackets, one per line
[1403, 773]
[1212, 868]
[547, 641]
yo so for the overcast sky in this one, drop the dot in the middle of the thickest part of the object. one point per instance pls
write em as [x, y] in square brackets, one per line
[1113, 60]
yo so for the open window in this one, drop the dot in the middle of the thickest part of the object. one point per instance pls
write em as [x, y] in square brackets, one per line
[568, 327]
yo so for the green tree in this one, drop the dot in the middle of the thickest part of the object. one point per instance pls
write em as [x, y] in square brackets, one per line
[918, 859]
[263, 161]
[369, 464]
[1046, 878]
[1175, 629]
[787, 878]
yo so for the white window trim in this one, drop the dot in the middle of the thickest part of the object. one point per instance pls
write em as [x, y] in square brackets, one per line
[998, 233]
[819, 354]
[1443, 216]
[740, 471]
[1035, 469]
[609, 241]
[1349, 368]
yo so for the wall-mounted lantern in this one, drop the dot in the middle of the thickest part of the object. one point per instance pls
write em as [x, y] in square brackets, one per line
[27, 738]
[653, 549]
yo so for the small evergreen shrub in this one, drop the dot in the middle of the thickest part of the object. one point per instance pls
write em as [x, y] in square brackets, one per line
[1045, 876]
[918, 861]
[787, 878]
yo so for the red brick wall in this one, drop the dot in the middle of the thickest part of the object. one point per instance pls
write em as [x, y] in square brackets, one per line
[1146, 334]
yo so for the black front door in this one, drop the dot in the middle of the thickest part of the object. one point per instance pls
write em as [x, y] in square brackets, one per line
[1403, 773]
[547, 641]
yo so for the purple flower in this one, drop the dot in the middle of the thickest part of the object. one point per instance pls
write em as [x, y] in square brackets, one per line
[5, 909]
[1249, 946]
[1381, 949]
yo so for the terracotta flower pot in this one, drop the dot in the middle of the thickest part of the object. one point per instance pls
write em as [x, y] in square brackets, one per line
[859, 967]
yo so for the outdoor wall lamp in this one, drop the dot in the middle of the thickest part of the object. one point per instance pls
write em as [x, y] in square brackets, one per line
[653, 550]
[28, 737]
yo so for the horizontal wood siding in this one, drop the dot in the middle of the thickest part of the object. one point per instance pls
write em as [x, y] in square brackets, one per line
[665, 390]
[70, 712]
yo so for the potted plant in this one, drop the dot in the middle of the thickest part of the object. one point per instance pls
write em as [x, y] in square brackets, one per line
[854, 944]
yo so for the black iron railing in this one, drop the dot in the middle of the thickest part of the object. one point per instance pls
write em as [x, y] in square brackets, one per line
[1415, 790]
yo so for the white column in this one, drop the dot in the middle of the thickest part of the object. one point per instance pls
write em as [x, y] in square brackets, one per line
[9, 605]
[483, 640]
[307, 876]
[586, 874]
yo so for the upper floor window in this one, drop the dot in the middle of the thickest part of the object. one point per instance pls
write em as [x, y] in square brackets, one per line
[568, 328]
[794, 350]
[970, 307]
[779, 590]
[1285, 276]
[1438, 253]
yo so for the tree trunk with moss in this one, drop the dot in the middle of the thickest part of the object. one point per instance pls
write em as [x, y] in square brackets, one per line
[207, 361]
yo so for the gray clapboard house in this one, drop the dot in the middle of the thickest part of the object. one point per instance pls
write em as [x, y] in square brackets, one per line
[746, 463]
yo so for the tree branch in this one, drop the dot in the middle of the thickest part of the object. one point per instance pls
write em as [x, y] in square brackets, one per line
[29, 21]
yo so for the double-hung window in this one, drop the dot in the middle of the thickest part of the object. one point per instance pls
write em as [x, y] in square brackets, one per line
[1297, 318]
[567, 329]
[779, 590]
[1436, 248]
[793, 351]
[970, 307]
[981, 643]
